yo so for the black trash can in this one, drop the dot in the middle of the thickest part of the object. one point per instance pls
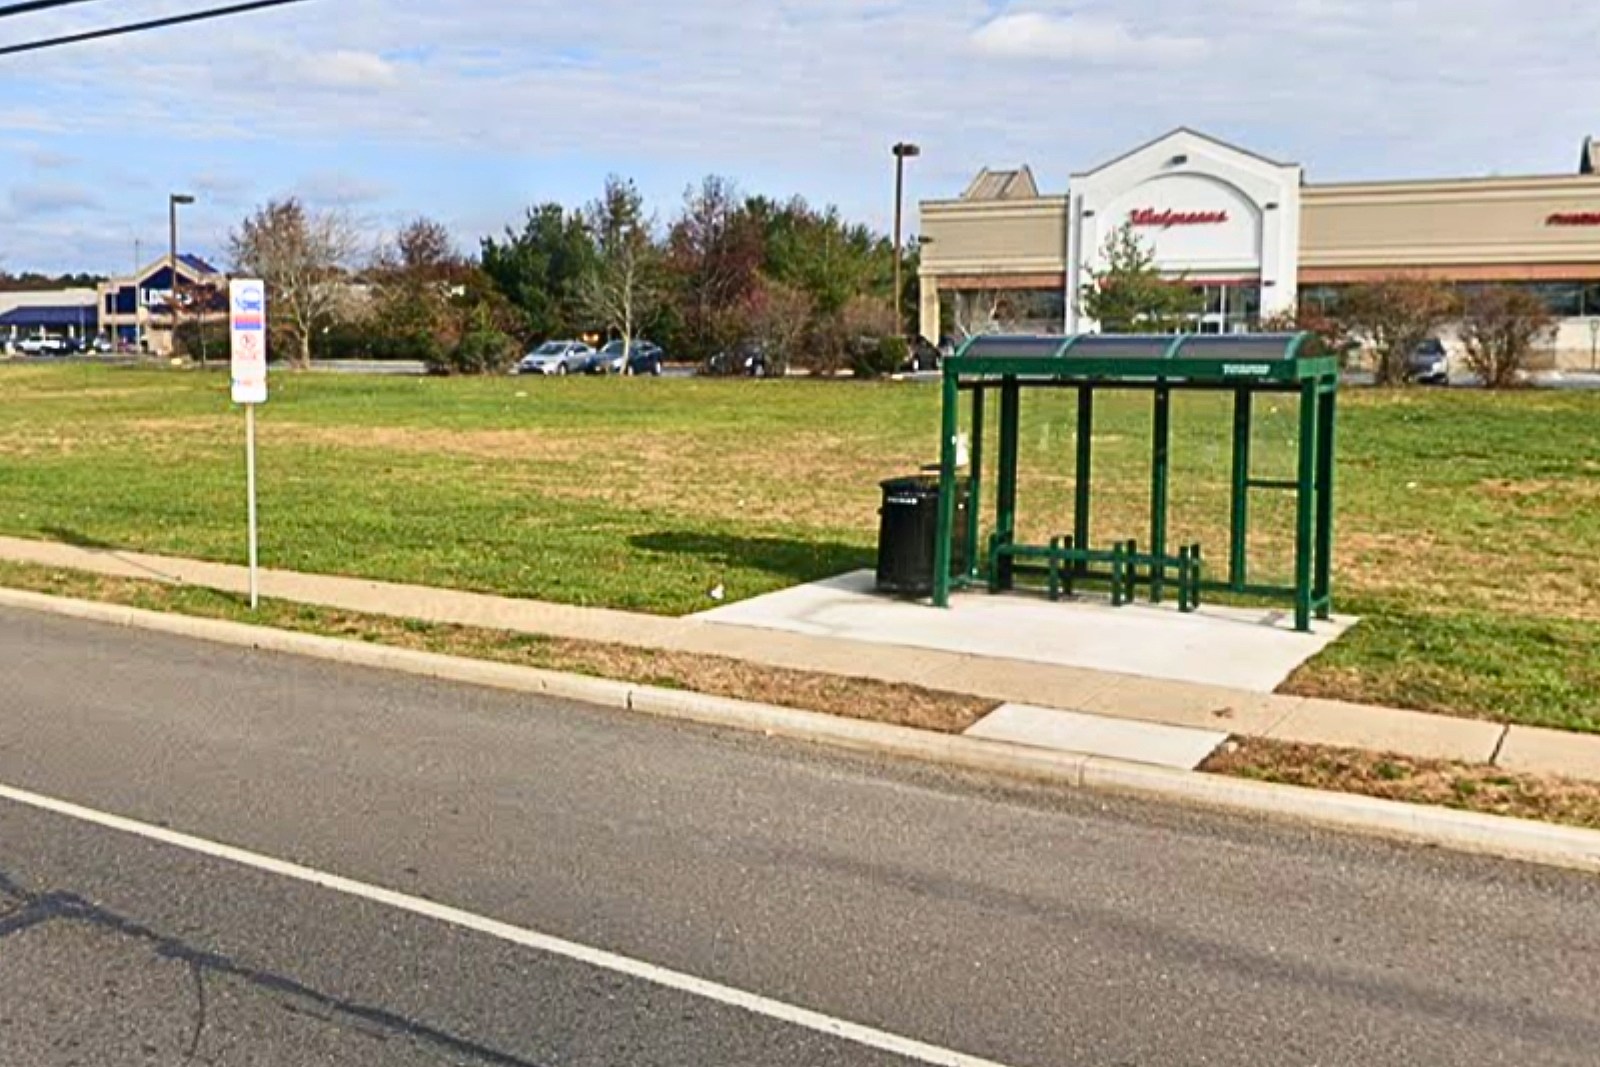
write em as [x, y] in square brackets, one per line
[907, 530]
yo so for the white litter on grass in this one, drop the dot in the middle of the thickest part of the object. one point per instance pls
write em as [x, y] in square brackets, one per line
[717, 593]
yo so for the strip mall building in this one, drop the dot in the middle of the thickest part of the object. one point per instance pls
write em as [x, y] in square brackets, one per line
[1258, 239]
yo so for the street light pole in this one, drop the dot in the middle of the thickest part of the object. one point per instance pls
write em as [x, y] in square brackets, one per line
[902, 151]
[172, 270]
[138, 298]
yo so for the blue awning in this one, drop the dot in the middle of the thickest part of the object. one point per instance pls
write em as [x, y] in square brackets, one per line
[33, 318]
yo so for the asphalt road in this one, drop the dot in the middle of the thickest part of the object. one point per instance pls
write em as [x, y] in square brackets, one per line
[1026, 926]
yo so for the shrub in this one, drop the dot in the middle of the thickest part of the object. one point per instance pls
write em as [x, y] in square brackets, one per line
[885, 356]
[1329, 336]
[482, 350]
[204, 341]
[1500, 325]
[350, 339]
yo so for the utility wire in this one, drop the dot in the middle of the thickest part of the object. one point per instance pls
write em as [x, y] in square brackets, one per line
[35, 5]
[137, 27]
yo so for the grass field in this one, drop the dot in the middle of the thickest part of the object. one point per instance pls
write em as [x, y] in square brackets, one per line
[1469, 524]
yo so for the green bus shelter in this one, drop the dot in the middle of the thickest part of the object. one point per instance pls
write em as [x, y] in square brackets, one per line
[1245, 366]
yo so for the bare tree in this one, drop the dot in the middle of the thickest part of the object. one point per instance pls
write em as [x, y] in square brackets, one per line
[1500, 325]
[780, 317]
[424, 247]
[1395, 316]
[301, 254]
[715, 250]
[415, 275]
[623, 287]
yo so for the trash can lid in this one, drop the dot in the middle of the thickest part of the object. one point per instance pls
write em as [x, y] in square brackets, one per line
[910, 483]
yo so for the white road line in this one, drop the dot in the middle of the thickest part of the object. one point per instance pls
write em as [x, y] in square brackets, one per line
[517, 935]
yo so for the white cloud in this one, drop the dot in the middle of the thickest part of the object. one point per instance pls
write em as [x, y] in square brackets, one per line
[50, 159]
[1033, 35]
[346, 69]
[332, 188]
[471, 110]
[28, 119]
[49, 198]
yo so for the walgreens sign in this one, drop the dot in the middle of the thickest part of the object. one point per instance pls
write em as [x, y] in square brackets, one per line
[1574, 218]
[1166, 219]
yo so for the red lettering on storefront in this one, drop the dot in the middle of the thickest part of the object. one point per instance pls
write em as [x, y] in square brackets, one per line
[1166, 219]
[1574, 218]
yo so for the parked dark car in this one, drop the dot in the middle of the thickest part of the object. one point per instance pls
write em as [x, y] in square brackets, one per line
[925, 355]
[646, 357]
[748, 358]
[1429, 363]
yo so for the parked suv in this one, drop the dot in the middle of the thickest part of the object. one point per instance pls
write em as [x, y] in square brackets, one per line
[1430, 363]
[556, 357]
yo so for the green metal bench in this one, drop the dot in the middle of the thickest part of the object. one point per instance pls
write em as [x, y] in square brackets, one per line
[1066, 565]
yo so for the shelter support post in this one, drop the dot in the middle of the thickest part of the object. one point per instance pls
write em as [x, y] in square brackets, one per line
[1006, 481]
[975, 482]
[1085, 473]
[1160, 479]
[1306, 508]
[1239, 539]
[944, 535]
[1326, 462]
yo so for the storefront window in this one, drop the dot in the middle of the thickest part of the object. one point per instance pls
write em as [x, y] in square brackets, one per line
[1229, 307]
[1591, 300]
[984, 311]
[1322, 299]
[1564, 299]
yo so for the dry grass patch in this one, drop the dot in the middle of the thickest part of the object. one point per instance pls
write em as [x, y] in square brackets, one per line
[529, 444]
[899, 705]
[1465, 787]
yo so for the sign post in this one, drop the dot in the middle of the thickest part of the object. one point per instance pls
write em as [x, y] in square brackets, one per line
[247, 329]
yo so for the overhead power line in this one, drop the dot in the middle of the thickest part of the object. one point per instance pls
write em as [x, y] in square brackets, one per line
[28, 6]
[136, 27]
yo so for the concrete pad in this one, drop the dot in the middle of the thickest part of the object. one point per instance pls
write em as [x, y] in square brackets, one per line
[1094, 735]
[1531, 750]
[1236, 648]
[1402, 733]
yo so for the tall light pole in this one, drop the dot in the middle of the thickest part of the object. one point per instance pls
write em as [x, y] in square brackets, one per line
[172, 269]
[138, 298]
[903, 151]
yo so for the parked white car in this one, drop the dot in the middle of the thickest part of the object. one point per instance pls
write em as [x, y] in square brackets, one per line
[42, 346]
[557, 357]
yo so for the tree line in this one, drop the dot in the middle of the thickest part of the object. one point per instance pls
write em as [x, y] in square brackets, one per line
[726, 269]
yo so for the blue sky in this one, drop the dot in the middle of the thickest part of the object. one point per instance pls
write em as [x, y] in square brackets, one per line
[469, 110]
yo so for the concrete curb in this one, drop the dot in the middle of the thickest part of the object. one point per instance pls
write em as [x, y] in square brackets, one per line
[1517, 839]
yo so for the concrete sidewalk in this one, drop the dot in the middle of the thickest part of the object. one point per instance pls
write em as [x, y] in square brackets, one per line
[1238, 712]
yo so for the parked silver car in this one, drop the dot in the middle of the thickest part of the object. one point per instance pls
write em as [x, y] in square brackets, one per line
[556, 357]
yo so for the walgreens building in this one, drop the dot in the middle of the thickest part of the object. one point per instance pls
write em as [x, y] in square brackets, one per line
[1258, 239]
